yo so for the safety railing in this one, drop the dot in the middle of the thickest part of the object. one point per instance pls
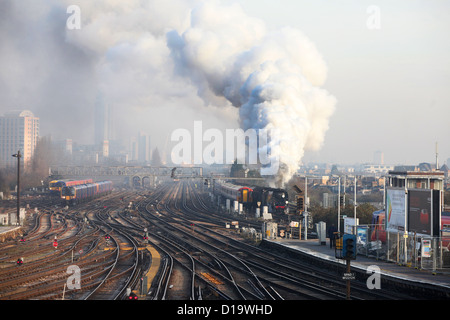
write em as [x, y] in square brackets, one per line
[403, 248]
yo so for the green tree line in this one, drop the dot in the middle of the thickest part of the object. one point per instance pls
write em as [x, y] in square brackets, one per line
[34, 175]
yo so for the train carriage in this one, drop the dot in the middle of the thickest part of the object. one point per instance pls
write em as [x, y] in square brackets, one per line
[52, 186]
[56, 186]
[242, 194]
[72, 195]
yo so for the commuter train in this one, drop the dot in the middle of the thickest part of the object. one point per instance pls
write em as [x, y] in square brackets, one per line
[275, 199]
[75, 194]
[56, 186]
[379, 230]
[230, 191]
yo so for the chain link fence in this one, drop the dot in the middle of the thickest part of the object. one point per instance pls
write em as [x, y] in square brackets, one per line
[418, 251]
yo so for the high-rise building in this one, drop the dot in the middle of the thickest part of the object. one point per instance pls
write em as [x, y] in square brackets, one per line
[144, 150]
[102, 121]
[19, 130]
[133, 149]
[378, 157]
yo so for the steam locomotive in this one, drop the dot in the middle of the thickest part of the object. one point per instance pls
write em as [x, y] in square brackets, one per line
[275, 199]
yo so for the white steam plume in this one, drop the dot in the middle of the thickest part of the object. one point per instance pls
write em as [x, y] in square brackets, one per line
[273, 77]
[129, 49]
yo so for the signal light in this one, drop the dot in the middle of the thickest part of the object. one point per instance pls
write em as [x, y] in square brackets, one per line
[19, 261]
[300, 203]
[349, 247]
[132, 296]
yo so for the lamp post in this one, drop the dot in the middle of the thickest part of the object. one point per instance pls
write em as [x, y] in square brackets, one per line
[354, 208]
[18, 156]
[339, 204]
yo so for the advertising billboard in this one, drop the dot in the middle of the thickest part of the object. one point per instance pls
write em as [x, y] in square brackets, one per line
[396, 212]
[349, 224]
[419, 211]
[424, 211]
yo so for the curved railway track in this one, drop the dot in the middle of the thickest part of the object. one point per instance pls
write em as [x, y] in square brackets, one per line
[44, 271]
[233, 270]
[199, 258]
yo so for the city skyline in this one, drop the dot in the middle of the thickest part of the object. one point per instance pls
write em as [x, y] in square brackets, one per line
[389, 76]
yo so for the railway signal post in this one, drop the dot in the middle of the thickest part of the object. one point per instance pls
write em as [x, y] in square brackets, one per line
[346, 250]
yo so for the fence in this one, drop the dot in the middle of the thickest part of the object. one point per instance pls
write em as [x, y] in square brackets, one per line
[419, 251]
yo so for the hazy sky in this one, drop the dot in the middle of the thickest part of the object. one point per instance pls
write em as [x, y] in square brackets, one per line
[387, 66]
[392, 84]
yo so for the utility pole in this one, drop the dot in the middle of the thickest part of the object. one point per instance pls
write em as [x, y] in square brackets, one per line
[339, 204]
[18, 156]
[306, 208]
[355, 207]
[437, 158]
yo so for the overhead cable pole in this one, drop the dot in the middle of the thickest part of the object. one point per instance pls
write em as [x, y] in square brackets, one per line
[18, 156]
[355, 206]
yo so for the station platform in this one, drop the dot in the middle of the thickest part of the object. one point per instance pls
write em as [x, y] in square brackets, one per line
[151, 273]
[10, 232]
[313, 248]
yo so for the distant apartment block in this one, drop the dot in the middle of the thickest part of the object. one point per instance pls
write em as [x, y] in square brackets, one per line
[377, 168]
[19, 130]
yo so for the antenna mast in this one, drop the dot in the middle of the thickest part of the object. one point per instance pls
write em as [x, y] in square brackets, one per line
[437, 162]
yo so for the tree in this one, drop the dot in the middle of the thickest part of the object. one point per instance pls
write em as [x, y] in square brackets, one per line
[364, 213]
[5, 180]
[41, 162]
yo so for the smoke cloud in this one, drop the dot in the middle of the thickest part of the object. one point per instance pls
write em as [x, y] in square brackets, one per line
[274, 78]
[161, 64]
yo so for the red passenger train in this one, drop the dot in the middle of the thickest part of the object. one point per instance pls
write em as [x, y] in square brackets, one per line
[56, 186]
[80, 193]
[233, 192]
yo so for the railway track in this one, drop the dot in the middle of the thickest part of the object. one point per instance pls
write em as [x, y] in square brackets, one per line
[43, 273]
[255, 274]
[196, 264]
[240, 267]
[199, 258]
